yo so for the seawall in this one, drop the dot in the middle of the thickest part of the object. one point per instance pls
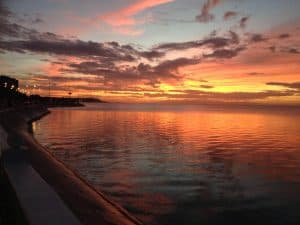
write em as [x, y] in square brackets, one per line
[3, 141]
[88, 204]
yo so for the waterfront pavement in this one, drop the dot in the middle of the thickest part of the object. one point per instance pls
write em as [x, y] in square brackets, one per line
[8, 209]
[34, 194]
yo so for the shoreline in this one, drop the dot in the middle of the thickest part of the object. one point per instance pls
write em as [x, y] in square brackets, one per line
[88, 204]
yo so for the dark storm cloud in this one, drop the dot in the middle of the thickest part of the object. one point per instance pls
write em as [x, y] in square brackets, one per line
[92, 65]
[255, 74]
[214, 42]
[101, 58]
[13, 30]
[151, 74]
[243, 22]
[154, 84]
[255, 38]
[112, 73]
[44, 36]
[284, 49]
[106, 60]
[142, 73]
[224, 53]
[108, 54]
[294, 51]
[15, 37]
[66, 47]
[9, 46]
[235, 39]
[229, 14]
[8, 29]
[151, 54]
[30, 19]
[169, 66]
[205, 14]
[4, 12]
[34, 19]
[38, 20]
[206, 86]
[22, 40]
[284, 36]
[272, 48]
[295, 85]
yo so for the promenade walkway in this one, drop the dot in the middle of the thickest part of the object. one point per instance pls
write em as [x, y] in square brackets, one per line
[38, 203]
[8, 208]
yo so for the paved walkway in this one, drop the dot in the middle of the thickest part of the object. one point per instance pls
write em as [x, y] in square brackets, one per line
[39, 202]
[8, 210]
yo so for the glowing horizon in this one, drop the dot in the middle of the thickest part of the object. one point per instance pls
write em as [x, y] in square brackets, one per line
[200, 51]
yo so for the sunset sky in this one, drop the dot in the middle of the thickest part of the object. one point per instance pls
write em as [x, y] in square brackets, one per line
[194, 51]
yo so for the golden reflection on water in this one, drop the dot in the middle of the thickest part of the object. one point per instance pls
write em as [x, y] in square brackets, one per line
[184, 165]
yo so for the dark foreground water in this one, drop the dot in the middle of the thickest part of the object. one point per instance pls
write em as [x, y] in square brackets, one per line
[192, 165]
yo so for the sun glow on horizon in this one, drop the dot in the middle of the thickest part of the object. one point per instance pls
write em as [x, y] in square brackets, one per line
[224, 53]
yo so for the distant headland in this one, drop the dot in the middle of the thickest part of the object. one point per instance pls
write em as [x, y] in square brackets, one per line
[12, 97]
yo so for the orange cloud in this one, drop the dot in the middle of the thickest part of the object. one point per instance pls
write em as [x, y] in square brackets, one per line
[123, 19]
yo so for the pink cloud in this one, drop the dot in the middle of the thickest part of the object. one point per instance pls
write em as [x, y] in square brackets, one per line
[123, 19]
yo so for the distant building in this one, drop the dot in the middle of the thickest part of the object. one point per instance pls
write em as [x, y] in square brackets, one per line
[9, 83]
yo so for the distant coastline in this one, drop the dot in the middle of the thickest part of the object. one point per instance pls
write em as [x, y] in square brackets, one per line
[12, 97]
[61, 101]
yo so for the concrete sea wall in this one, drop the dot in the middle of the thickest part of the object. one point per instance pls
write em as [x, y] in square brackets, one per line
[3, 141]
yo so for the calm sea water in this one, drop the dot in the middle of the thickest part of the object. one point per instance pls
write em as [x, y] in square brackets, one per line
[184, 164]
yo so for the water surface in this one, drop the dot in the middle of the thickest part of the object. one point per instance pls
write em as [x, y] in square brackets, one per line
[184, 164]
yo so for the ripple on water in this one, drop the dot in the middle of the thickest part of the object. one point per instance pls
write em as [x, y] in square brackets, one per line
[184, 165]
